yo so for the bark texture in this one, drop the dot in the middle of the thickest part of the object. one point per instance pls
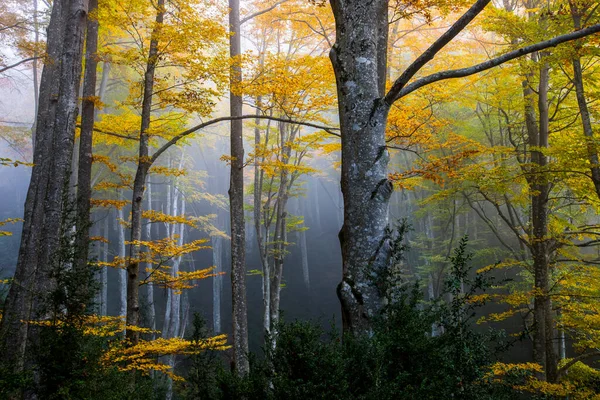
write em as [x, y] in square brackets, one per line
[357, 60]
[44, 206]
[139, 183]
[236, 203]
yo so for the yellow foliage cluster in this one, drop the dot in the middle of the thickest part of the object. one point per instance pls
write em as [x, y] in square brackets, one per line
[144, 356]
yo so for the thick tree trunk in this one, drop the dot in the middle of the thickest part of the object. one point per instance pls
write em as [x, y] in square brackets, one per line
[53, 144]
[236, 203]
[357, 60]
[133, 265]
[84, 175]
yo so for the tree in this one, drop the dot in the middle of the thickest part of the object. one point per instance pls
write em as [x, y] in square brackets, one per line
[43, 219]
[359, 58]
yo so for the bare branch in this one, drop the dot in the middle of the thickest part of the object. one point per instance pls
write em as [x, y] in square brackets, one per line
[494, 62]
[3, 69]
[261, 12]
[456, 28]
[185, 133]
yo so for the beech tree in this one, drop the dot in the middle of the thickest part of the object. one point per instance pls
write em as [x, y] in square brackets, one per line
[44, 220]
[359, 58]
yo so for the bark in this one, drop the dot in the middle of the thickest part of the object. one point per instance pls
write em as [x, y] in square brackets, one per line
[236, 204]
[303, 247]
[104, 273]
[357, 58]
[133, 265]
[537, 131]
[149, 266]
[53, 143]
[84, 176]
[583, 106]
[122, 271]
[217, 257]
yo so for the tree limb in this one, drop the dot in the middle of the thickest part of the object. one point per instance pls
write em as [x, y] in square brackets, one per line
[494, 62]
[3, 69]
[456, 28]
[261, 12]
[562, 370]
[187, 132]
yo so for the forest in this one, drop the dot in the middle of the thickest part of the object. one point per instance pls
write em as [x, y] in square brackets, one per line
[299, 199]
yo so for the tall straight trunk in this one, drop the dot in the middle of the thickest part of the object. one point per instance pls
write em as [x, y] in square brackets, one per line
[303, 247]
[84, 176]
[122, 271]
[236, 202]
[53, 144]
[150, 285]
[537, 131]
[583, 107]
[36, 39]
[133, 265]
[104, 272]
[217, 259]
[358, 57]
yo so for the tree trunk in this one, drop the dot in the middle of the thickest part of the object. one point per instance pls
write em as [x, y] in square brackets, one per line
[583, 108]
[122, 272]
[53, 144]
[133, 265]
[149, 267]
[104, 273]
[303, 247]
[236, 202]
[84, 176]
[357, 59]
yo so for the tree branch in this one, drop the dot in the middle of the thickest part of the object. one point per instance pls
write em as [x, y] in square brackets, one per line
[494, 62]
[562, 370]
[17, 64]
[456, 28]
[261, 12]
[185, 133]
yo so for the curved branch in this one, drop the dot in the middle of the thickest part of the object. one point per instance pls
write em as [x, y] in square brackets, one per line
[3, 69]
[456, 28]
[494, 62]
[261, 12]
[562, 370]
[185, 133]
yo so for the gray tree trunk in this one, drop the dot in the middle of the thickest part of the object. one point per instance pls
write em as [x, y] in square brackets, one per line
[236, 204]
[149, 267]
[357, 57]
[84, 175]
[133, 265]
[122, 271]
[53, 144]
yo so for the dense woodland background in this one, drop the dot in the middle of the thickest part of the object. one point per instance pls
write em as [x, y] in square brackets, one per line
[190, 189]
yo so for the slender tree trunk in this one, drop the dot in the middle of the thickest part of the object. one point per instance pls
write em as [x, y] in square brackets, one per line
[303, 247]
[236, 202]
[583, 107]
[149, 267]
[84, 176]
[217, 257]
[357, 58]
[104, 272]
[36, 89]
[122, 271]
[133, 306]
